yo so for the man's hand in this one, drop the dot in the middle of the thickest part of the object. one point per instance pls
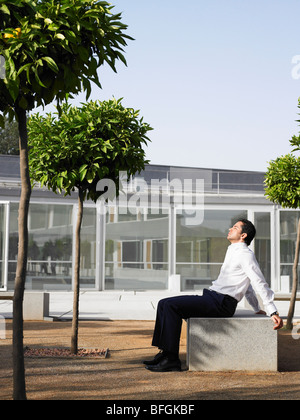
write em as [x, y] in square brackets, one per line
[261, 313]
[277, 321]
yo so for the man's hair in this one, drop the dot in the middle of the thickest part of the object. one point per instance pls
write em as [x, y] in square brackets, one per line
[249, 229]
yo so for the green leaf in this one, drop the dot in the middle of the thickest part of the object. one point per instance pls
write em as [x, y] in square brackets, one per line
[60, 183]
[10, 69]
[4, 9]
[27, 68]
[13, 88]
[60, 36]
[82, 168]
[37, 78]
[83, 174]
[83, 53]
[87, 87]
[51, 64]
[92, 13]
[83, 171]
[121, 57]
[53, 27]
[90, 177]
[70, 35]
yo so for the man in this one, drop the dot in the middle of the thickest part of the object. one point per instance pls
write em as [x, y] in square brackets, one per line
[240, 271]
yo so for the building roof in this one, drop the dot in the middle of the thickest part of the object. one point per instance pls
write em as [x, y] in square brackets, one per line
[217, 182]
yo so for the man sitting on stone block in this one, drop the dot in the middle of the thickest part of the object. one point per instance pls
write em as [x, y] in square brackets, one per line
[240, 271]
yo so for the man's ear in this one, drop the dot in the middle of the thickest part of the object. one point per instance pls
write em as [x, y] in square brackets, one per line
[244, 236]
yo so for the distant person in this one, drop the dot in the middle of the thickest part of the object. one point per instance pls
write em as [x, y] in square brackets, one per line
[240, 271]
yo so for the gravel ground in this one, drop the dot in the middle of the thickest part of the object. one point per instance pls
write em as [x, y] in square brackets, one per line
[121, 376]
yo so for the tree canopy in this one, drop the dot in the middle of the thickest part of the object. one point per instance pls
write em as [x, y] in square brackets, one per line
[282, 179]
[54, 47]
[85, 145]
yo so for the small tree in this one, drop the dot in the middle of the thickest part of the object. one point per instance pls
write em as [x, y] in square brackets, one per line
[80, 148]
[283, 187]
[51, 48]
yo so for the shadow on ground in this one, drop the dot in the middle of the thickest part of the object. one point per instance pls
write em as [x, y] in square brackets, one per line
[122, 376]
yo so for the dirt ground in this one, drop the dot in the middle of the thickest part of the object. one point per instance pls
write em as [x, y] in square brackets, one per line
[122, 376]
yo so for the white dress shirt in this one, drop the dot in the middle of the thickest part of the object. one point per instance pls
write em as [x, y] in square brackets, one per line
[240, 274]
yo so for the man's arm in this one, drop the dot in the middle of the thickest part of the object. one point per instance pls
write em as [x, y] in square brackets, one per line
[253, 272]
[252, 300]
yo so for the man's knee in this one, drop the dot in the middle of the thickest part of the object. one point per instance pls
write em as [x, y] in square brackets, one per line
[162, 302]
[171, 305]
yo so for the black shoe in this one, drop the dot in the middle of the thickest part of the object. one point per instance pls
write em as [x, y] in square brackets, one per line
[166, 365]
[156, 359]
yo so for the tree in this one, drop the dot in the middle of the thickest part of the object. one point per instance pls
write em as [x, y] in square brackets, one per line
[51, 48]
[77, 150]
[283, 187]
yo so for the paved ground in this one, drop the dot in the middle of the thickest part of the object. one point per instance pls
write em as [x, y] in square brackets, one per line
[116, 305]
[123, 377]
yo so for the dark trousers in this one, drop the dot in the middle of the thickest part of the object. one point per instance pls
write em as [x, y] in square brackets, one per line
[171, 312]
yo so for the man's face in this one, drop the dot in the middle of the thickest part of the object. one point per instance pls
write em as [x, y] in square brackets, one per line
[235, 233]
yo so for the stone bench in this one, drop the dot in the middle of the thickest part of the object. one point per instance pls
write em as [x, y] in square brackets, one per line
[35, 305]
[246, 342]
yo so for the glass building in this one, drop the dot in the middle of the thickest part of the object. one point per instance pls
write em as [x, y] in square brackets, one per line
[167, 231]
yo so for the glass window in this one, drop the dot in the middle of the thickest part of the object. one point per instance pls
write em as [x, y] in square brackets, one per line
[136, 251]
[200, 250]
[288, 237]
[50, 247]
[49, 250]
[262, 243]
[132, 251]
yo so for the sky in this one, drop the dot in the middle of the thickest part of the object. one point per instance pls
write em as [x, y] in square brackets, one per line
[218, 80]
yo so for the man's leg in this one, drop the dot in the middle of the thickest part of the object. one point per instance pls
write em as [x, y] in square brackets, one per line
[159, 323]
[171, 312]
[157, 333]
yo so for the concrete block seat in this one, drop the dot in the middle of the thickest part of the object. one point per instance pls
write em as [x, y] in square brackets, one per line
[35, 304]
[245, 342]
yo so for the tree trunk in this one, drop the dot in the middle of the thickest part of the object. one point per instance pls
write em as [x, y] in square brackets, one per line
[19, 387]
[289, 324]
[74, 340]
